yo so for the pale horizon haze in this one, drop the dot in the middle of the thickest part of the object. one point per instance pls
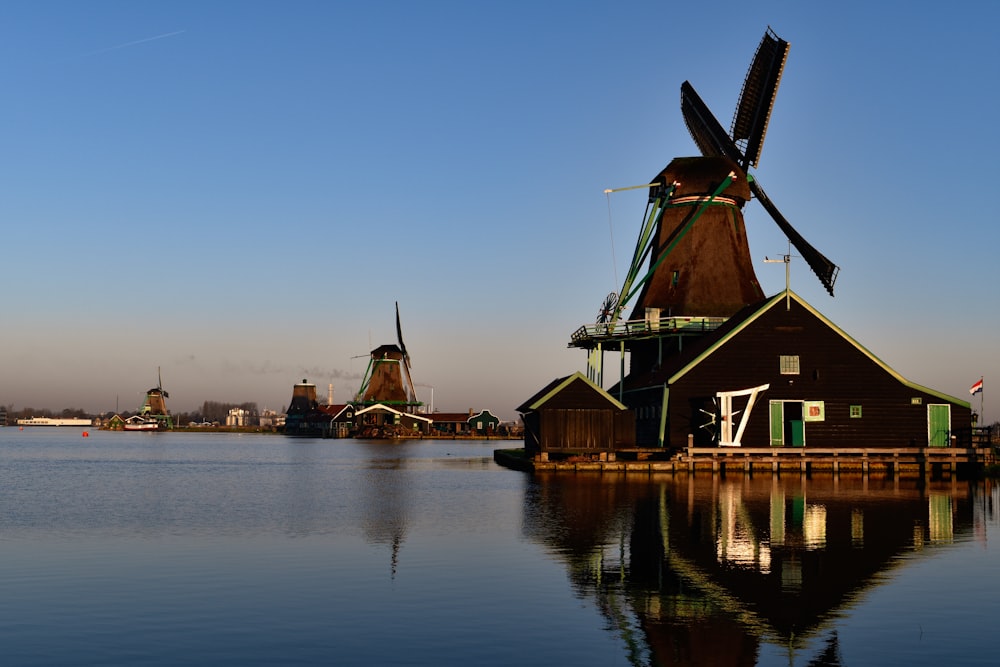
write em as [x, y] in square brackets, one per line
[238, 193]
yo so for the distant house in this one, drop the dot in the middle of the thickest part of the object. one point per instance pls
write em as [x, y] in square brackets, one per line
[456, 423]
[271, 419]
[341, 420]
[574, 415]
[780, 374]
[238, 417]
[484, 423]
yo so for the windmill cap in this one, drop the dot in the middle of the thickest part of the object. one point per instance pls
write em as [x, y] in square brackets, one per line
[702, 175]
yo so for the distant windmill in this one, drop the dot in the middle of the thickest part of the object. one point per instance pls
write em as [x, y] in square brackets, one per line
[155, 404]
[694, 238]
[387, 379]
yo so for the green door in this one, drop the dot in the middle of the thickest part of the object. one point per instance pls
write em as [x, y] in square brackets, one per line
[798, 429]
[938, 425]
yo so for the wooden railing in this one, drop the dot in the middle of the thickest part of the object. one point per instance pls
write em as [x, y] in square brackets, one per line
[636, 328]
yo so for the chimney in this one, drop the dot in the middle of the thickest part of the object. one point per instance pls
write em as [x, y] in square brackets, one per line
[330, 400]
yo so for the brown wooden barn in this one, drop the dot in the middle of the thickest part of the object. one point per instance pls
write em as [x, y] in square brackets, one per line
[780, 374]
[573, 415]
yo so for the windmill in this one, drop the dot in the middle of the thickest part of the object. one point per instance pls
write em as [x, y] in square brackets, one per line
[155, 406]
[694, 238]
[387, 379]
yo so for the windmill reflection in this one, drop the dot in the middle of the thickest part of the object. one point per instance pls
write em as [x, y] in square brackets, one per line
[385, 514]
[704, 570]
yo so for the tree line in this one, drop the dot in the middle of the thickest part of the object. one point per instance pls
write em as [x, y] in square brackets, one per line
[211, 411]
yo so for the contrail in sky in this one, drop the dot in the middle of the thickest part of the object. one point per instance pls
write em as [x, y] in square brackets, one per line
[135, 42]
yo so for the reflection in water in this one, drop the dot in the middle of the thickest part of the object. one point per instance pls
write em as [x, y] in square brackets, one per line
[385, 507]
[703, 570]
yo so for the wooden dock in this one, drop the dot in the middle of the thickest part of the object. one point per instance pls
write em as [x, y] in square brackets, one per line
[892, 462]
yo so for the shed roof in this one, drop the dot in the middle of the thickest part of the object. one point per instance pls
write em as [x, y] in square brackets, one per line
[559, 384]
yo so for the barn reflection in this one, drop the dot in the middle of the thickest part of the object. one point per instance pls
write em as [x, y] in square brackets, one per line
[703, 570]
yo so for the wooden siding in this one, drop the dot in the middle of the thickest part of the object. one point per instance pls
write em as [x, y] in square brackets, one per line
[576, 429]
[574, 415]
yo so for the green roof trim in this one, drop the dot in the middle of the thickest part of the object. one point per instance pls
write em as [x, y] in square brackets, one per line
[780, 298]
[566, 382]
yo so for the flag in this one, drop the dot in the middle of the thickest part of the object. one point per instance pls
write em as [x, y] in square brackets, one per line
[976, 388]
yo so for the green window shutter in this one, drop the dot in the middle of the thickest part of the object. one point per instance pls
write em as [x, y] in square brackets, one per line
[777, 424]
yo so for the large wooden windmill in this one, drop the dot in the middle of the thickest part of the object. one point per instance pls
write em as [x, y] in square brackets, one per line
[154, 407]
[705, 346]
[387, 379]
[691, 268]
[695, 239]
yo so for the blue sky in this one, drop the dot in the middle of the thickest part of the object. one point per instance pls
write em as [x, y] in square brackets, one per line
[238, 192]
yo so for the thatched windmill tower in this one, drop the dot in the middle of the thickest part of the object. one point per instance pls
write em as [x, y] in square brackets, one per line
[695, 238]
[387, 379]
[702, 257]
[691, 269]
[155, 404]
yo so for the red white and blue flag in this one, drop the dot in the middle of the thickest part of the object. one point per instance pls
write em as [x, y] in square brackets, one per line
[976, 388]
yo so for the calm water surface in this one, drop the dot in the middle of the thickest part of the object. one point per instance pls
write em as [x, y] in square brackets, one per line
[157, 549]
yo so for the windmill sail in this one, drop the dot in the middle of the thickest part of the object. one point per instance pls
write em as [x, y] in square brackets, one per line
[411, 389]
[708, 134]
[757, 97]
[750, 124]
[399, 336]
[824, 269]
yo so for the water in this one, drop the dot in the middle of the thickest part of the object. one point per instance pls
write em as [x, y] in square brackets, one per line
[157, 549]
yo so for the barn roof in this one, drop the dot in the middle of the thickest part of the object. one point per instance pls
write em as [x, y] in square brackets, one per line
[675, 369]
[334, 410]
[557, 385]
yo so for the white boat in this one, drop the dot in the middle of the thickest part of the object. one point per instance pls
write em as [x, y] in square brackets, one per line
[141, 424]
[50, 421]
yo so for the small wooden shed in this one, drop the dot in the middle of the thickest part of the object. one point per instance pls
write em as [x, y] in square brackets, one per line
[572, 415]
